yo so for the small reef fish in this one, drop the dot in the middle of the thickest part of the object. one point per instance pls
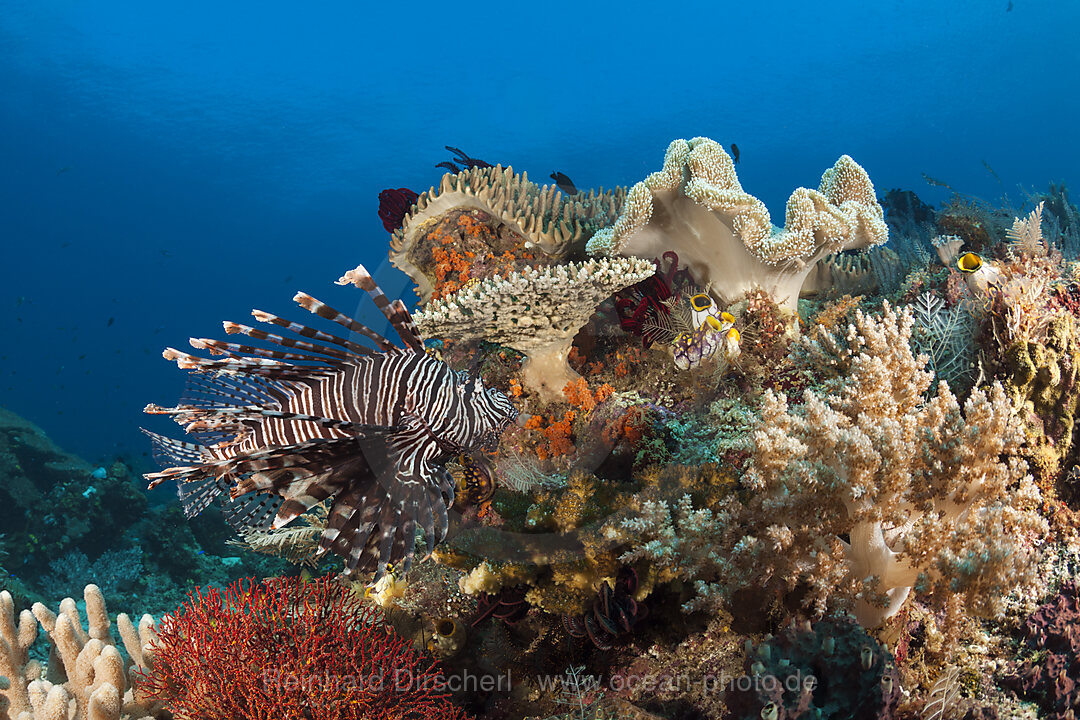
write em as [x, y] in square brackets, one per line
[477, 483]
[713, 329]
[565, 184]
[464, 159]
[735, 153]
[980, 275]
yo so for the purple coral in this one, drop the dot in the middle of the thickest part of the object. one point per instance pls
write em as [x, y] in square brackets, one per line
[1052, 678]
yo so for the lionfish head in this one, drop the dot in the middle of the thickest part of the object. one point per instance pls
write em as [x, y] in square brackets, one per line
[498, 413]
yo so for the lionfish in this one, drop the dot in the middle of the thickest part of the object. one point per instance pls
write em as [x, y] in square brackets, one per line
[367, 428]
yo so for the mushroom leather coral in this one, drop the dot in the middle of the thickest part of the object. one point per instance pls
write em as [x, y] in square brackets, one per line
[696, 207]
[290, 649]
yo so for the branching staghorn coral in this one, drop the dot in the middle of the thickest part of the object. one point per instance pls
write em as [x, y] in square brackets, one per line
[696, 207]
[86, 674]
[535, 311]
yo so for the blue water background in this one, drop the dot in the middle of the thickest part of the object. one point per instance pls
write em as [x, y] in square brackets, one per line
[166, 165]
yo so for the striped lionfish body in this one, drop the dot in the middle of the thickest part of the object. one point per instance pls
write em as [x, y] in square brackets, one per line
[324, 418]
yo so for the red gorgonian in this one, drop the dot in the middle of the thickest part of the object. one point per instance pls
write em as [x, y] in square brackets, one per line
[285, 648]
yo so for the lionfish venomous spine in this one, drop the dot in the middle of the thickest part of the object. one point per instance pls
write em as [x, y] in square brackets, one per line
[329, 419]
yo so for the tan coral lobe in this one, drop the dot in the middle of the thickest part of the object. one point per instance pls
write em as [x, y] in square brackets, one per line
[696, 207]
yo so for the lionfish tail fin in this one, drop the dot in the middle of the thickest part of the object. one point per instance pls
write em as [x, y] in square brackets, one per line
[395, 312]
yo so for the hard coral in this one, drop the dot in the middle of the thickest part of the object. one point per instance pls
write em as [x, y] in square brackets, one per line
[535, 311]
[290, 649]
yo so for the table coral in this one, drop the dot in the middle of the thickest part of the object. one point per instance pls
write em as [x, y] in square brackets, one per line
[535, 311]
[696, 207]
[547, 222]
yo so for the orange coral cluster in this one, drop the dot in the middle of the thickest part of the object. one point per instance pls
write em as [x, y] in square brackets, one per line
[559, 434]
[455, 265]
[629, 427]
[579, 395]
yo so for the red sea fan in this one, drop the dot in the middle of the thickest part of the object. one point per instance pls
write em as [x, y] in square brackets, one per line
[393, 205]
[285, 648]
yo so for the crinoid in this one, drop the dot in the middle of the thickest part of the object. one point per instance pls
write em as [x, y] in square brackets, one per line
[614, 612]
[507, 605]
[394, 205]
[642, 308]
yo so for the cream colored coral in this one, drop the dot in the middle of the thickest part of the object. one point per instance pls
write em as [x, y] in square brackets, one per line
[696, 206]
[912, 492]
[866, 493]
[549, 221]
[86, 678]
[535, 311]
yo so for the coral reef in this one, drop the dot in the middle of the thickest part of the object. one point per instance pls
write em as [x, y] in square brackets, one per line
[755, 473]
[696, 207]
[536, 312]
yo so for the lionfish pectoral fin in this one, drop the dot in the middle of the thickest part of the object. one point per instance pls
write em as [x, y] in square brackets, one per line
[196, 495]
[169, 452]
[252, 511]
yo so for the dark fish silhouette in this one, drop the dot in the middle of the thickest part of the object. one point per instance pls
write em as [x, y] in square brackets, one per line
[110, 323]
[1010, 7]
[464, 159]
[565, 184]
[449, 166]
[735, 153]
